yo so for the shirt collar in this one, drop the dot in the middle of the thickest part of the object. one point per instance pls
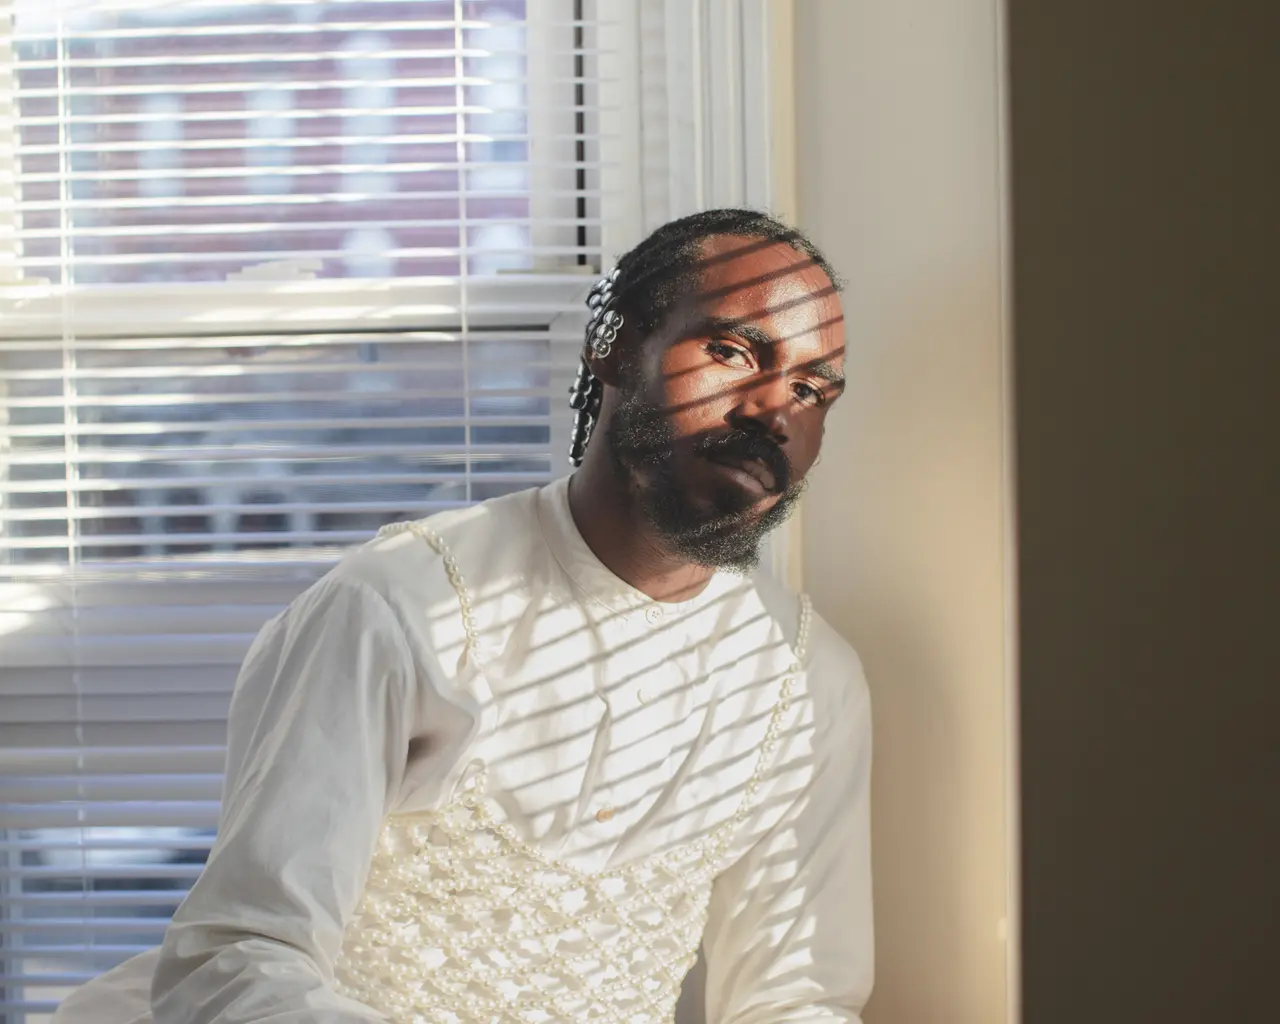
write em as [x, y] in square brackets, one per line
[592, 576]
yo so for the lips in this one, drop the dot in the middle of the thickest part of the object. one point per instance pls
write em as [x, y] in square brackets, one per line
[755, 468]
[755, 461]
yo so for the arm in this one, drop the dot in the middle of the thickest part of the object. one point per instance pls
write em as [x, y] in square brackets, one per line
[789, 938]
[320, 725]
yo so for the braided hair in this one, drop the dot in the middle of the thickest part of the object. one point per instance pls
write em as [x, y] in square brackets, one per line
[650, 281]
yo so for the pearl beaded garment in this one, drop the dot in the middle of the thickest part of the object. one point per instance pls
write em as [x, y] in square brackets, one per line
[610, 728]
[464, 921]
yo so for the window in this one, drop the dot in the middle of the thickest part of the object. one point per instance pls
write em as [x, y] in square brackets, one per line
[277, 273]
[272, 274]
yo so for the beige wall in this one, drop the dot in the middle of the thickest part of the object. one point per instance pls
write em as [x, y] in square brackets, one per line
[898, 177]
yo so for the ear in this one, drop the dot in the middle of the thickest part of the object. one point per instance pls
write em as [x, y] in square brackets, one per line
[607, 368]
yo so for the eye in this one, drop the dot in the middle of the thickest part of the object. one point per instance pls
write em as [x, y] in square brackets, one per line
[807, 393]
[724, 352]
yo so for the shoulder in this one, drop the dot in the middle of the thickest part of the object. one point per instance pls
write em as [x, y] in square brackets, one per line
[477, 558]
[835, 677]
[836, 689]
[835, 665]
[404, 562]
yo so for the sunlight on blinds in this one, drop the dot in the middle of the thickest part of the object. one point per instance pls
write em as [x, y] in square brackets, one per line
[385, 138]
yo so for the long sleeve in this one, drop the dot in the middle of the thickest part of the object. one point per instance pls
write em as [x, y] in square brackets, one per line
[320, 726]
[789, 938]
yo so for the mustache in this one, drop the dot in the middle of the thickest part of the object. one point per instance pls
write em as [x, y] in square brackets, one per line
[740, 446]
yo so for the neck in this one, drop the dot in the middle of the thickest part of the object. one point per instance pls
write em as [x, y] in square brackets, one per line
[615, 529]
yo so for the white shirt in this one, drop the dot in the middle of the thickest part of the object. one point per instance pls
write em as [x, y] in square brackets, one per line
[610, 725]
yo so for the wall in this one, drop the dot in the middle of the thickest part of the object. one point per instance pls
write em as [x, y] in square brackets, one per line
[1146, 222]
[898, 177]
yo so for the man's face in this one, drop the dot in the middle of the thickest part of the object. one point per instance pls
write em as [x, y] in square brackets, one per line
[722, 409]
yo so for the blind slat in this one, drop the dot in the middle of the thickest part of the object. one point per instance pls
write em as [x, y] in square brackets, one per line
[179, 176]
[313, 200]
[402, 112]
[301, 559]
[127, 652]
[189, 369]
[95, 900]
[100, 788]
[234, 228]
[321, 56]
[156, 682]
[422, 508]
[223, 88]
[134, 814]
[101, 925]
[516, 481]
[397, 253]
[131, 540]
[297, 453]
[256, 398]
[190, 758]
[266, 28]
[282, 343]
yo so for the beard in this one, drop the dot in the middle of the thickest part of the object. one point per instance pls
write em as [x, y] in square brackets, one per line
[727, 535]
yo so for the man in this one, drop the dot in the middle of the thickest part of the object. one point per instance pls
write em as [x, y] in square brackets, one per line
[517, 762]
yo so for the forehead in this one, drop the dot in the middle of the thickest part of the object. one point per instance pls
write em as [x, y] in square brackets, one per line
[774, 287]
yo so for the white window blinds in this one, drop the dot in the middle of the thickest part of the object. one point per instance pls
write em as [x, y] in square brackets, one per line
[272, 274]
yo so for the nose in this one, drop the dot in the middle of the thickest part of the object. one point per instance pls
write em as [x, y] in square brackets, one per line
[764, 411]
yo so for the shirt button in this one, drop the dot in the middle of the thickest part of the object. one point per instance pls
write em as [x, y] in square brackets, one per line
[654, 614]
[605, 814]
[642, 697]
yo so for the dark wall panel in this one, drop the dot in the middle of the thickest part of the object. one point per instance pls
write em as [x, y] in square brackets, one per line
[1146, 264]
